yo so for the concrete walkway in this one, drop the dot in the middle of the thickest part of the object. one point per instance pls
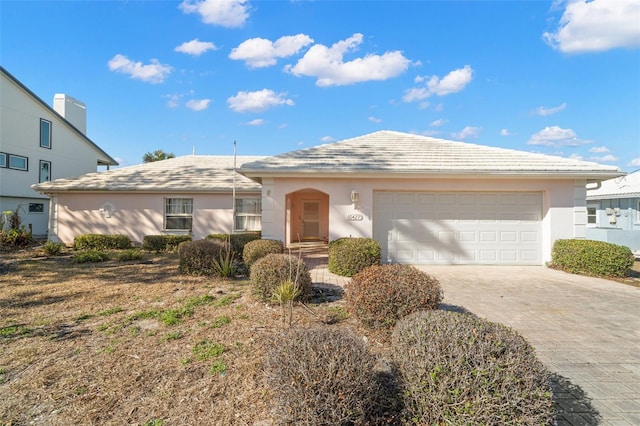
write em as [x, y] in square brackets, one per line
[585, 330]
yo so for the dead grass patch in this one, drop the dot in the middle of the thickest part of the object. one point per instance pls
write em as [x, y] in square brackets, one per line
[122, 343]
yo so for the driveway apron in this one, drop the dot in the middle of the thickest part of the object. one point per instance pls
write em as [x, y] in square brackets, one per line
[585, 330]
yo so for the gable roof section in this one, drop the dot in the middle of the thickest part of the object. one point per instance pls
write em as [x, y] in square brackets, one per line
[190, 173]
[621, 187]
[106, 161]
[395, 154]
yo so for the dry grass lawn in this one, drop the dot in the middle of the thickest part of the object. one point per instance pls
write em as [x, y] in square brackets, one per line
[132, 343]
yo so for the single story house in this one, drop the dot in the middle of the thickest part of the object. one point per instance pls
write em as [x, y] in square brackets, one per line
[426, 200]
[613, 211]
[185, 195]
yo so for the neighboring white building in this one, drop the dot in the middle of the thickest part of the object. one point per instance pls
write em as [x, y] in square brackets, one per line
[39, 143]
[614, 211]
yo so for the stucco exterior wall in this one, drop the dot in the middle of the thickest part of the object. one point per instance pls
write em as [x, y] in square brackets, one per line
[562, 206]
[135, 214]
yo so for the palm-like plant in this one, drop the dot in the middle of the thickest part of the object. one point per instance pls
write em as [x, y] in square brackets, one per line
[157, 155]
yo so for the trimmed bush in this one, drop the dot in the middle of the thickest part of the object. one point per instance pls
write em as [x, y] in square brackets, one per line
[272, 270]
[101, 242]
[53, 249]
[90, 256]
[382, 294]
[163, 243]
[459, 369]
[591, 258]
[321, 376]
[238, 241]
[257, 249]
[348, 256]
[199, 257]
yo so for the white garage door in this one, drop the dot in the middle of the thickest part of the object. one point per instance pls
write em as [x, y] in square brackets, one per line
[459, 227]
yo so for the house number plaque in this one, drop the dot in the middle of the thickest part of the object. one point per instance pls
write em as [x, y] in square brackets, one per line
[354, 217]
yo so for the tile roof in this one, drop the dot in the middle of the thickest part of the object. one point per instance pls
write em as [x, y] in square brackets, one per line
[389, 152]
[621, 187]
[190, 173]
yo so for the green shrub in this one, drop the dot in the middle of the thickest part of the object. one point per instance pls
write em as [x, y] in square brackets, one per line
[90, 256]
[163, 243]
[256, 249]
[52, 248]
[591, 258]
[199, 257]
[459, 369]
[101, 242]
[321, 376]
[129, 254]
[15, 237]
[348, 256]
[270, 271]
[382, 294]
[238, 241]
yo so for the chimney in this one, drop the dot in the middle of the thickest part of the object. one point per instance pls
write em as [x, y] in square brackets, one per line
[73, 110]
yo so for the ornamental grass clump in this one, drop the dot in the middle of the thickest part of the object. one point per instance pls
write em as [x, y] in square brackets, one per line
[272, 270]
[256, 249]
[382, 294]
[459, 369]
[348, 256]
[321, 376]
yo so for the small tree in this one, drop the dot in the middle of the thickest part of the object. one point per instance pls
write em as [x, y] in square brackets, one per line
[157, 155]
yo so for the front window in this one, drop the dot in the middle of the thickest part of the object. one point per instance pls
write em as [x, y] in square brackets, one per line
[178, 214]
[45, 133]
[3, 159]
[45, 171]
[18, 162]
[248, 214]
[592, 215]
[638, 212]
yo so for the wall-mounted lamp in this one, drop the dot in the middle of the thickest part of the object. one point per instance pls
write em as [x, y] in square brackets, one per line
[355, 197]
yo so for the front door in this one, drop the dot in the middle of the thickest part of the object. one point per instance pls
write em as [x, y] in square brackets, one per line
[310, 220]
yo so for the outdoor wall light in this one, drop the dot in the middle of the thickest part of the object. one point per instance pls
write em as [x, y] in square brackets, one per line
[355, 196]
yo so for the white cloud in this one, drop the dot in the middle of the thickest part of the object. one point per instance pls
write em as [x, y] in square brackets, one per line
[328, 66]
[439, 122]
[453, 82]
[599, 149]
[327, 139]
[256, 122]
[173, 100]
[505, 132]
[195, 47]
[258, 101]
[198, 104]
[226, 13]
[635, 162]
[555, 136]
[609, 158]
[542, 111]
[598, 25]
[260, 52]
[467, 132]
[375, 119]
[153, 73]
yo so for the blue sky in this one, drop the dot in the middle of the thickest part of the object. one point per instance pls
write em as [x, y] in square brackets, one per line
[560, 78]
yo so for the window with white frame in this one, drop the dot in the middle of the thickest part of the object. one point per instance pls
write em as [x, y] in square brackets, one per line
[592, 215]
[638, 212]
[18, 162]
[45, 133]
[3, 159]
[248, 214]
[178, 214]
[45, 171]
[36, 207]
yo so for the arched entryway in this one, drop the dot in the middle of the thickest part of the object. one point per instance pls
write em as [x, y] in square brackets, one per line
[307, 217]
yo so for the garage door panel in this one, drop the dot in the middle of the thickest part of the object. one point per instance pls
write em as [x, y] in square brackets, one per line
[465, 227]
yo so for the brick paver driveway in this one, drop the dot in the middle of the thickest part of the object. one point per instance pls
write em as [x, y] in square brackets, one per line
[585, 330]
